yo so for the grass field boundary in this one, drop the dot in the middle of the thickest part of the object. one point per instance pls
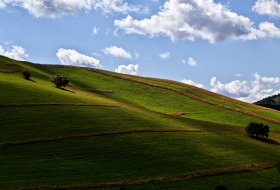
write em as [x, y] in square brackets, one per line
[98, 90]
[164, 179]
[56, 104]
[70, 137]
[10, 72]
[189, 95]
[209, 93]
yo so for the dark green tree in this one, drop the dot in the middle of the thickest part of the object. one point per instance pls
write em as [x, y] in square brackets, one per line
[59, 80]
[26, 74]
[257, 129]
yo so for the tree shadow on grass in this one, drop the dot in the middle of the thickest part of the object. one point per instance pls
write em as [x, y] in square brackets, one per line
[61, 88]
[31, 80]
[270, 141]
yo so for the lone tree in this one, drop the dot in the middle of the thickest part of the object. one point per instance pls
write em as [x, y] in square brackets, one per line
[59, 80]
[26, 74]
[257, 129]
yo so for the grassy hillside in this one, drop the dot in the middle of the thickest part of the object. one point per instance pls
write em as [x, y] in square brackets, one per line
[109, 130]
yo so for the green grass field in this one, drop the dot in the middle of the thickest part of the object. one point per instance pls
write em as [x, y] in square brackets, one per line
[108, 131]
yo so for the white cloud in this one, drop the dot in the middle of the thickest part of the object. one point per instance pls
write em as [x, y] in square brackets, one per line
[265, 30]
[117, 52]
[17, 53]
[191, 62]
[95, 30]
[190, 82]
[129, 69]
[56, 8]
[249, 91]
[164, 55]
[238, 75]
[192, 19]
[72, 57]
[2, 4]
[267, 7]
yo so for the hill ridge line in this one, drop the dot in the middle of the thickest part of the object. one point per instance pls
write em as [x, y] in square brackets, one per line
[70, 137]
[164, 179]
[56, 104]
[210, 93]
[189, 95]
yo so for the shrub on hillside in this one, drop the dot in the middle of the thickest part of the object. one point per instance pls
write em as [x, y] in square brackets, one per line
[26, 74]
[257, 129]
[59, 80]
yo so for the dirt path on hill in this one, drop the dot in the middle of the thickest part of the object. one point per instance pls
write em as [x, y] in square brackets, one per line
[56, 104]
[164, 179]
[190, 95]
[80, 136]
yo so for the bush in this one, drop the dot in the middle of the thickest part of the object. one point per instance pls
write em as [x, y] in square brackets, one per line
[257, 129]
[26, 74]
[59, 80]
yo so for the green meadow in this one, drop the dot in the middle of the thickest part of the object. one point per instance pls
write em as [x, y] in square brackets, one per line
[112, 131]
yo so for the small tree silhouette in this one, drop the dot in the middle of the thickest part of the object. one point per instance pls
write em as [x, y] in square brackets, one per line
[59, 80]
[26, 74]
[257, 129]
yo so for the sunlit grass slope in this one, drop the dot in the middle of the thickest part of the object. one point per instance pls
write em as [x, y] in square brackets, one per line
[107, 129]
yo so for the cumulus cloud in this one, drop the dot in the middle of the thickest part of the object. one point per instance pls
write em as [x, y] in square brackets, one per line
[129, 69]
[164, 55]
[250, 91]
[190, 82]
[265, 30]
[191, 62]
[267, 7]
[117, 52]
[72, 57]
[16, 52]
[192, 19]
[56, 8]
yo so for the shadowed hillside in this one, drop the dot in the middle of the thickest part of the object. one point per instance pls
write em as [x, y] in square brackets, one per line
[108, 130]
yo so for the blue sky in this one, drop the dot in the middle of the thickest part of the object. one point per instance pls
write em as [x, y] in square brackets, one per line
[226, 46]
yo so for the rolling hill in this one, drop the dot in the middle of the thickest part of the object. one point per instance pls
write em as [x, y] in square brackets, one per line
[272, 102]
[110, 131]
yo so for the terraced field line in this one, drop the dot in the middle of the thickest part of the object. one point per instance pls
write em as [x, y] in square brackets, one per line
[209, 93]
[54, 104]
[164, 179]
[189, 95]
[125, 132]
[10, 72]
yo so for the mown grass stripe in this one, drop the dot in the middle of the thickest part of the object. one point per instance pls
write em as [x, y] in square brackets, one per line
[55, 104]
[133, 131]
[208, 93]
[164, 179]
[188, 95]
[10, 72]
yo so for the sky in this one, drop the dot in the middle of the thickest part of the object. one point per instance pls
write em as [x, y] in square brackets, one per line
[231, 47]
